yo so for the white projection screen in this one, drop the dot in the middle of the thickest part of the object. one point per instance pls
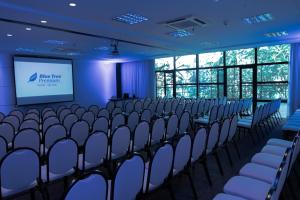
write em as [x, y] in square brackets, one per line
[43, 80]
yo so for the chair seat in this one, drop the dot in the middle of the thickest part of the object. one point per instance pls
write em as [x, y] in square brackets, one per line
[275, 150]
[280, 142]
[267, 159]
[259, 172]
[222, 196]
[88, 165]
[247, 187]
[53, 176]
[202, 120]
[288, 127]
[244, 123]
[8, 192]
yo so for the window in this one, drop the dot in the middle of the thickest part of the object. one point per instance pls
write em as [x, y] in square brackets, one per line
[240, 57]
[164, 64]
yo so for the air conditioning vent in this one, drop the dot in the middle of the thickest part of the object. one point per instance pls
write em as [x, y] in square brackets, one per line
[185, 23]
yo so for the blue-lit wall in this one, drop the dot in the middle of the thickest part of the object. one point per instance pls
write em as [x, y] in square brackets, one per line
[94, 83]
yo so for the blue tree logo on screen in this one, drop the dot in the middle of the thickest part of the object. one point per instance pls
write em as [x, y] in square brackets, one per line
[33, 77]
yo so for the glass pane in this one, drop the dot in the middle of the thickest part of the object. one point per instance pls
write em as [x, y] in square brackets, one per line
[277, 72]
[211, 59]
[169, 90]
[233, 92]
[186, 76]
[247, 75]
[247, 91]
[188, 91]
[208, 91]
[240, 57]
[272, 91]
[169, 78]
[211, 76]
[233, 76]
[164, 64]
[277, 53]
[183, 62]
[160, 92]
[160, 79]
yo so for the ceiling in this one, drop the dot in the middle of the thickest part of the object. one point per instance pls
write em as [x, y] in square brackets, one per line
[88, 30]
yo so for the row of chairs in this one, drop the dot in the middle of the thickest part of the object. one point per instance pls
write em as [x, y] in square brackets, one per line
[292, 124]
[264, 177]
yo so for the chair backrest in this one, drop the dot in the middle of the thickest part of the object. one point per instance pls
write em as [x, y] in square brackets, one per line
[195, 108]
[133, 120]
[120, 142]
[1, 116]
[118, 120]
[33, 110]
[129, 107]
[201, 109]
[213, 137]
[235, 107]
[141, 135]
[146, 115]
[160, 108]
[256, 116]
[19, 170]
[233, 127]
[49, 113]
[13, 120]
[174, 105]
[19, 114]
[168, 106]
[29, 138]
[74, 107]
[184, 123]
[32, 116]
[80, 132]
[172, 126]
[69, 120]
[131, 169]
[79, 112]
[179, 110]
[46, 110]
[213, 114]
[89, 117]
[92, 187]
[3, 147]
[95, 149]
[60, 108]
[199, 144]
[110, 106]
[146, 103]
[54, 133]
[220, 112]
[160, 167]
[103, 113]
[94, 109]
[226, 110]
[224, 131]
[62, 157]
[64, 113]
[138, 106]
[48, 122]
[101, 124]
[116, 111]
[182, 154]
[158, 131]
[7, 131]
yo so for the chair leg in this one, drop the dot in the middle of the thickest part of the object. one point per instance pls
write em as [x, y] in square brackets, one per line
[171, 191]
[219, 163]
[207, 172]
[32, 194]
[237, 149]
[192, 185]
[228, 155]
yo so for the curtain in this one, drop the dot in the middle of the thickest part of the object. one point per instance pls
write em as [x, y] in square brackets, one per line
[138, 78]
[294, 79]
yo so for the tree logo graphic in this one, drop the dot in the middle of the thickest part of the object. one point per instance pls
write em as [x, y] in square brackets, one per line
[33, 77]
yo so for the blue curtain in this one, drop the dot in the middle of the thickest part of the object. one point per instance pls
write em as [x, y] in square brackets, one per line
[294, 79]
[138, 78]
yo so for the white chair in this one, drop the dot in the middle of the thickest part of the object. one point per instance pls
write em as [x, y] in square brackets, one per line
[30, 123]
[129, 107]
[220, 112]
[94, 108]
[92, 186]
[95, 151]
[13, 120]
[80, 132]
[184, 123]
[120, 143]
[46, 110]
[18, 114]
[89, 117]
[49, 113]
[133, 120]
[3, 147]
[168, 107]
[69, 120]
[53, 133]
[110, 106]
[146, 115]
[101, 124]
[117, 121]
[33, 110]
[28, 138]
[64, 113]
[33, 116]
[158, 131]
[172, 126]
[79, 112]
[7, 132]
[103, 113]
[74, 107]
[223, 196]
[1, 116]
[48, 122]
[179, 110]
[131, 169]
[160, 109]
[60, 108]
[210, 119]
[138, 106]
[159, 168]
[224, 132]
[19, 173]
[140, 137]
[61, 160]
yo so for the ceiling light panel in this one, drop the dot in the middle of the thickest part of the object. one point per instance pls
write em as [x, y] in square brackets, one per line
[55, 42]
[266, 17]
[277, 34]
[180, 33]
[131, 18]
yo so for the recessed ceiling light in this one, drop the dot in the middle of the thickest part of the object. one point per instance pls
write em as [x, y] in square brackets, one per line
[180, 33]
[28, 29]
[131, 18]
[266, 17]
[72, 4]
[55, 42]
[9, 35]
[277, 34]
[21, 49]
[103, 48]
[43, 21]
